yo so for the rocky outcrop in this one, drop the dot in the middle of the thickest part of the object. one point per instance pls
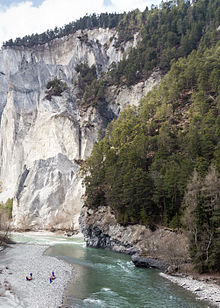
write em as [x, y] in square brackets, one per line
[97, 239]
[157, 249]
[130, 96]
[50, 187]
[43, 141]
[148, 262]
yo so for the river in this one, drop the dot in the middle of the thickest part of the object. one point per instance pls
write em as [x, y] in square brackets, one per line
[110, 280]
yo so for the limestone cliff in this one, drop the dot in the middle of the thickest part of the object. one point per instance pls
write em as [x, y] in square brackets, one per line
[42, 141]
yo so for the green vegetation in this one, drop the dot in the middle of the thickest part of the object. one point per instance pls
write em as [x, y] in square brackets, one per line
[103, 20]
[143, 166]
[202, 219]
[5, 218]
[171, 31]
[86, 76]
[94, 94]
[55, 88]
[167, 32]
[91, 89]
[5, 214]
[9, 206]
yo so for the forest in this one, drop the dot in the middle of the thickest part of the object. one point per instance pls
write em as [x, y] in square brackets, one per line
[159, 164]
[104, 20]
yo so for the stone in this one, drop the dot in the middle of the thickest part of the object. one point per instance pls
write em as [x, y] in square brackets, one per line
[172, 269]
[197, 289]
[147, 262]
[101, 230]
[42, 141]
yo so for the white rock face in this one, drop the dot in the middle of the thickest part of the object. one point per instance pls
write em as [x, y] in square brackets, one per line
[42, 141]
[126, 96]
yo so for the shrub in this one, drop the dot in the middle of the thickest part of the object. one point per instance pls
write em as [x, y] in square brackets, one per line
[55, 87]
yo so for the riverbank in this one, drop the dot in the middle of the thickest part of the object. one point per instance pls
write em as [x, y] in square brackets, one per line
[203, 290]
[18, 261]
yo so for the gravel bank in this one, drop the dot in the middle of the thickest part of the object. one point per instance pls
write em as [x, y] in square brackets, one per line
[204, 291]
[20, 260]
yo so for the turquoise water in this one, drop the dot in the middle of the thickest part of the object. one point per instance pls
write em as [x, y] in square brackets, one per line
[106, 279]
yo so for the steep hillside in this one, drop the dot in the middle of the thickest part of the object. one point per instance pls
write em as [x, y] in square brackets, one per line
[159, 164]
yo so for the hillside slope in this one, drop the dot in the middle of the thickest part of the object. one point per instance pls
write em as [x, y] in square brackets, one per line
[159, 164]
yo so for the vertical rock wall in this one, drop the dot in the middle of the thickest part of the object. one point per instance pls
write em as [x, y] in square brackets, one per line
[42, 141]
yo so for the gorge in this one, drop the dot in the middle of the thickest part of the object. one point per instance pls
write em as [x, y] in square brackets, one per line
[81, 132]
